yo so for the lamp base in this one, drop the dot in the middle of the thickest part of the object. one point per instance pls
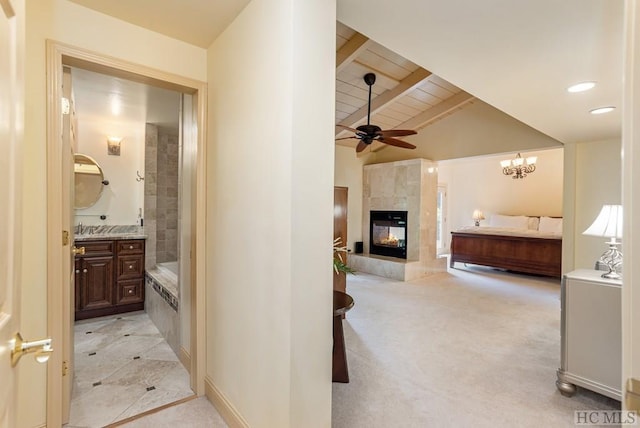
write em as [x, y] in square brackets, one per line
[611, 275]
[612, 259]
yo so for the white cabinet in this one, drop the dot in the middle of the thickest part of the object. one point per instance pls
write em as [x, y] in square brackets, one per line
[591, 337]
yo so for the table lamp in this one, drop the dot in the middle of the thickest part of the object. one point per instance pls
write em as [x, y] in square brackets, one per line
[609, 224]
[477, 216]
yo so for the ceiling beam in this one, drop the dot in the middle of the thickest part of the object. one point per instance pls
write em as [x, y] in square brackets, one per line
[384, 99]
[436, 112]
[350, 50]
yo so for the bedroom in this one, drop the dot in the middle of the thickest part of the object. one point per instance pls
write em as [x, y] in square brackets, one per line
[570, 180]
[467, 142]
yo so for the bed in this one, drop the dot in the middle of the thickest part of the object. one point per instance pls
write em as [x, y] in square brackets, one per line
[525, 244]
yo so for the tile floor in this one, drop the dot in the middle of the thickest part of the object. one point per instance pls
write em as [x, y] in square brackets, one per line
[123, 367]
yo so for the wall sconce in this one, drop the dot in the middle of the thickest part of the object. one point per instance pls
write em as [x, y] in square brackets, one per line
[477, 216]
[113, 146]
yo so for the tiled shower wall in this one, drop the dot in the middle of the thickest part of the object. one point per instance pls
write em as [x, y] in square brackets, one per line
[161, 195]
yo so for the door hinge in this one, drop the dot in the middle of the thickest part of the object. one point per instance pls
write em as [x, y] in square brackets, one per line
[65, 238]
[65, 368]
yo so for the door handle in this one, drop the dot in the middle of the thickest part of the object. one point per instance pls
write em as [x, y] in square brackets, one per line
[41, 348]
[78, 251]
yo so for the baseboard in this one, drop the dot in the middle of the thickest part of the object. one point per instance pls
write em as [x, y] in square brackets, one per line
[230, 414]
[185, 359]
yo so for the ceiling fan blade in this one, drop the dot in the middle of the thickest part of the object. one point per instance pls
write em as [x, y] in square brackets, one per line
[346, 138]
[397, 143]
[361, 146]
[348, 128]
[397, 132]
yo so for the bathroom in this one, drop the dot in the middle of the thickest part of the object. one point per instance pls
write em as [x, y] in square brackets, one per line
[133, 137]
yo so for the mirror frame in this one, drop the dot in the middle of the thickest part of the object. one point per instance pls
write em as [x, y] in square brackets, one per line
[92, 168]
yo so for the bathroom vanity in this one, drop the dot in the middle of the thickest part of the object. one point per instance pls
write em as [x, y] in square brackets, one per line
[109, 276]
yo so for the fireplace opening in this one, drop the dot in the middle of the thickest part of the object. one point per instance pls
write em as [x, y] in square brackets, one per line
[388, 233]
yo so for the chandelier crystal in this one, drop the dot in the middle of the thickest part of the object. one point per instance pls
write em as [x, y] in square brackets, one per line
[519, 167]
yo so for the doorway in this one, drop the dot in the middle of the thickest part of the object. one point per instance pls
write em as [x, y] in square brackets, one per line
[59, 276]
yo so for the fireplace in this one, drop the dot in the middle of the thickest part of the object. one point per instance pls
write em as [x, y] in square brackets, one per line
[388, 233]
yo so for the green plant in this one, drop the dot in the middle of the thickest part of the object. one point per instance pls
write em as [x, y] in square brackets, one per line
[338, 262]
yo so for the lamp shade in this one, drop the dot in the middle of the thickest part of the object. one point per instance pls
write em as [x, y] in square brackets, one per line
[478, 215]
[608, 223]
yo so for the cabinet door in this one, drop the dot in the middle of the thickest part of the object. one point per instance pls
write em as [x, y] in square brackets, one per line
[97, 286]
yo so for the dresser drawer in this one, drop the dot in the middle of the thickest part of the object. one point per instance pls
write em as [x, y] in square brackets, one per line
[130, 247]
[130, 267]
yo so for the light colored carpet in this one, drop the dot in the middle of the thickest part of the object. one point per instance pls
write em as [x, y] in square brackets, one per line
[470, 348]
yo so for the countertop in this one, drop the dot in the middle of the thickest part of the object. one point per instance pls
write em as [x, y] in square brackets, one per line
[95, 233]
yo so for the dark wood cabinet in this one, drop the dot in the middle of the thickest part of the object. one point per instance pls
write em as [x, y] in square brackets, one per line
[109, 278]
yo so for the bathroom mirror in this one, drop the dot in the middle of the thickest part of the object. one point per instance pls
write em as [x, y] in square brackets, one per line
[89, 181]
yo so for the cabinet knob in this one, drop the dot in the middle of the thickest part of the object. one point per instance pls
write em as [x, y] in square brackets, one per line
[77, 270]
[130, 291]
[131, 247]
[84, 270]
[130, 266]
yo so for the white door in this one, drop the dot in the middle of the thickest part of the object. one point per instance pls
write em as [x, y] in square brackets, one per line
[11, 119]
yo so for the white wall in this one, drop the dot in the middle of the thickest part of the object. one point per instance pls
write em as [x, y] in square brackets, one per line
[597, 182]
[124, 196]
[69, 23]
[270, 205]
[478, 183]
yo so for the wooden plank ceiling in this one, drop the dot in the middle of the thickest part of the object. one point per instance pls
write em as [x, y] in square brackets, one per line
[404, 96]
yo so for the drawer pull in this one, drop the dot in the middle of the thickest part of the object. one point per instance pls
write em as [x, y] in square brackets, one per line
[84, 270]
[131, 247]
[77, 270]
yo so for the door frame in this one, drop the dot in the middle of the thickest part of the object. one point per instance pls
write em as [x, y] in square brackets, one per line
[57, 55]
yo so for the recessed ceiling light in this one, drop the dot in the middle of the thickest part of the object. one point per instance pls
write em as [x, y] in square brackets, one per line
[602, 110]
[581, 87]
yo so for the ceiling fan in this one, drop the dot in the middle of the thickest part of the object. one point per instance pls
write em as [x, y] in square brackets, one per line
[368, 133]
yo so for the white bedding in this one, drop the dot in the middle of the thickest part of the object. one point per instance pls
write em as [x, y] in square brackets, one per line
[509, 231]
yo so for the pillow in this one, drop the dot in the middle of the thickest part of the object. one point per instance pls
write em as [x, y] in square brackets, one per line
[550, 224]
[533, 223]
[510, 221]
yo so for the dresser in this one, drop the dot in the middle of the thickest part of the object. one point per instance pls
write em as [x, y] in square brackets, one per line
[109, 277]
[591, 334]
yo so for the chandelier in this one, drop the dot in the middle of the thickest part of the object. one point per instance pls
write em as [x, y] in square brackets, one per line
[519, 167]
